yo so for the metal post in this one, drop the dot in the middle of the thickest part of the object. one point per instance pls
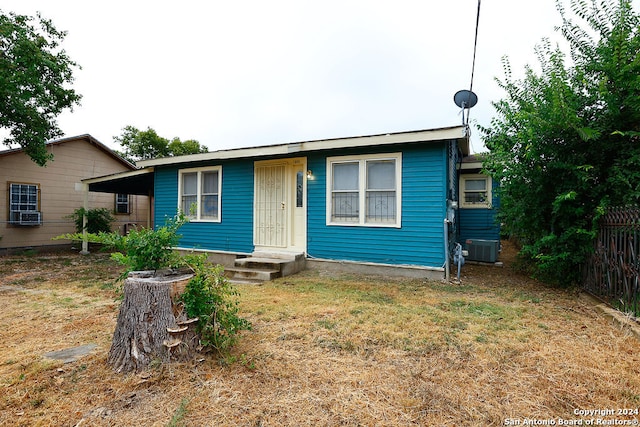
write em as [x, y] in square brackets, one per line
[447, 273]
[85, 202]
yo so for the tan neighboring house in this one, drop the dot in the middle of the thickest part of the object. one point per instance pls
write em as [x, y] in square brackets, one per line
[37, 201]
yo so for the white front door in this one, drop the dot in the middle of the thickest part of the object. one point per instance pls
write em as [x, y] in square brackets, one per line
[280, 205]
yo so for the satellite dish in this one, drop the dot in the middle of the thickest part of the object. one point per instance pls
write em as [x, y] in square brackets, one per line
[465, 99]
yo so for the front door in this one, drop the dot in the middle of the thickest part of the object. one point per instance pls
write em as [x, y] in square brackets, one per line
[280, 205]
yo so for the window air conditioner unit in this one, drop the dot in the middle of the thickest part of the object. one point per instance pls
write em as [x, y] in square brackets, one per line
[30, 218]
[483, 250]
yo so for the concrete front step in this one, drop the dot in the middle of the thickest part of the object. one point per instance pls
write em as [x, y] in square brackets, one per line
[263, 267]
[236, 281]
[255, 273]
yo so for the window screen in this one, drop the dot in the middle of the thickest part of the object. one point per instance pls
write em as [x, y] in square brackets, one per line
[381, 193]
[345, 199]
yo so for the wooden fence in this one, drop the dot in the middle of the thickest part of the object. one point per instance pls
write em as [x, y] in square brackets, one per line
[611, 273]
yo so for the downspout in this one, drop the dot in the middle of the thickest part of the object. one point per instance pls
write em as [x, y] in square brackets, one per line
[447, 273]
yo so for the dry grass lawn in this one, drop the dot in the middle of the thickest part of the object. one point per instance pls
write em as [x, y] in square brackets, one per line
[325, 350]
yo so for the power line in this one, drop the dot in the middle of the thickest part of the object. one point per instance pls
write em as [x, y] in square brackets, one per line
[466, 99]
[475, 46]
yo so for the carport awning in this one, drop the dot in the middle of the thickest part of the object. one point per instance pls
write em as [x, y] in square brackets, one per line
[138, 182]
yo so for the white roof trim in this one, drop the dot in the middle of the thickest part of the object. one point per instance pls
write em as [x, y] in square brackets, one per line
[117, 175]
[456, 132]
[471, 165]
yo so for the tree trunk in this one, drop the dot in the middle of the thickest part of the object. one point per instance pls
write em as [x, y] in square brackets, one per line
[151, 323]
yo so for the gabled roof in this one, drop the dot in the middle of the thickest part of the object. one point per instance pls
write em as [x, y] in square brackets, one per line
[457, 133]
[86, 137]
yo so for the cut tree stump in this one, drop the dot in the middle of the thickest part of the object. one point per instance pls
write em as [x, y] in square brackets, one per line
[152, 324]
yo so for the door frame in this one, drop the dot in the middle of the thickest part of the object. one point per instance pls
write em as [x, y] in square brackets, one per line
[296, 239]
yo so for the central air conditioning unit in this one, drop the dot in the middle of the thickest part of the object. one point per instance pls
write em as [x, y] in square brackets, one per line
[30, 218]
[483, 250]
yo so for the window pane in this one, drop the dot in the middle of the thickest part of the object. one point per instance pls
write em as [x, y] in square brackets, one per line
[122, 203]
[209, 207]
[24, 197]
[189, 183]
[210, 182]
[475, 197]
[475, 184]
[381, 175]
[345, 207]
[381, 206]
[345, 176]
[187, 203]
[189, 192]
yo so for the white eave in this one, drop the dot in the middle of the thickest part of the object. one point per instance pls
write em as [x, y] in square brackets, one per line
[129, 174]
[458, 133]
[471, 165]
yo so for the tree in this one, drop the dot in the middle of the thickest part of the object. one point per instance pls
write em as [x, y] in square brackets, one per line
[143, 145]
[565, 143]
[190, 146]
[34, 73]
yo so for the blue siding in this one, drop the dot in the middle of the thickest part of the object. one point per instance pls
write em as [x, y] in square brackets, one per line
[235, 232]
[165, 195]
[420, 239]
[480, 223]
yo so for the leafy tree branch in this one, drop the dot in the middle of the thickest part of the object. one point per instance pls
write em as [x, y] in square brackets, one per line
[565, 141]
[34, 77]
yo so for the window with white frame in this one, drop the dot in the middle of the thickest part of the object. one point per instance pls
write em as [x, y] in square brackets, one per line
[24, 202]
[199, 193]
[475, 191]
[364, 190]
[122, 204]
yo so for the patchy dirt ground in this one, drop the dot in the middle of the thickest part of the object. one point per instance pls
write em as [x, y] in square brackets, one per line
[497, 349]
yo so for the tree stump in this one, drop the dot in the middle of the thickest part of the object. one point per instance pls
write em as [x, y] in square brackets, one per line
[152, 324]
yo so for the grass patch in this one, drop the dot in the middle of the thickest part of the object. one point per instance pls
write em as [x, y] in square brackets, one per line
[324, 350]
[177, 419]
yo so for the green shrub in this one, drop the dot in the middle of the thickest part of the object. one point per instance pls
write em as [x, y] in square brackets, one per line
[143, 249]
[99, 220]
[211, 298]
[146, 248]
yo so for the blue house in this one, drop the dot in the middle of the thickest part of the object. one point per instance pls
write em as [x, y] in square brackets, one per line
[380, 202]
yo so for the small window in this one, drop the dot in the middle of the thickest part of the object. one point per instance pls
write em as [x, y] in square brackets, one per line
[199, 193]
[299, 189]
[364, 190]
[122, 204]
[475, 191]
[24, 203]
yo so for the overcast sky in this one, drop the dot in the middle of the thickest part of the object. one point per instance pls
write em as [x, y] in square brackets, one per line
[246, 73]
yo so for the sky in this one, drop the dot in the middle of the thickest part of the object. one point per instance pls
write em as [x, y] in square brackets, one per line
[247, 73]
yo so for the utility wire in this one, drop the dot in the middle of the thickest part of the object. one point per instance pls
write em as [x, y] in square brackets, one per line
[473, 64]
